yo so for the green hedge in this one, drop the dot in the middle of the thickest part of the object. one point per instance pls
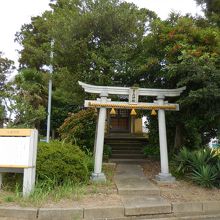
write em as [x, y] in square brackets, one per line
[60, 161]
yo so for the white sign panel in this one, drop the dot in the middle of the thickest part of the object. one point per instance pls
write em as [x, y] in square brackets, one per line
[18, 150]
[14, 151]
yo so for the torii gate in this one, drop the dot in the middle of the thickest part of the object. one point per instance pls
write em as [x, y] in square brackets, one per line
[133, 93]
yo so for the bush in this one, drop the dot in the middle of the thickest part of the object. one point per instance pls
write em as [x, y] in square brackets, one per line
[201, 166]
[203, 157]
[183, 162]
[205, 175]
[59, 162]
[152, 151]
[107, 152]
[79, 129]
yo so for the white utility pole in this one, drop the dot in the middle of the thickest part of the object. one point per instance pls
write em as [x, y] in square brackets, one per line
[50, 92]
[50, 89]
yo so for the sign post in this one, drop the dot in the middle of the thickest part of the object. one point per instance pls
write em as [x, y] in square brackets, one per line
[18, 151]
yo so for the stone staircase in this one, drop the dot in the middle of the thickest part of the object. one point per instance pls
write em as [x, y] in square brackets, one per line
[126, 147]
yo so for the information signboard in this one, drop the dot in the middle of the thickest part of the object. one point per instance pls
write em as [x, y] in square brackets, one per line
[18, 150]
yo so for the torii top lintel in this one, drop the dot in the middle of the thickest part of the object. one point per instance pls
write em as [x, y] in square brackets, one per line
[106, 90]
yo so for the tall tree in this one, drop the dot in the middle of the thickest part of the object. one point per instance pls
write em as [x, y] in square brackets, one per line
[6, 67]
[187, 54]
[210, 6]
[211, 9]
[95, 41]
[110, 42]
[29, 92]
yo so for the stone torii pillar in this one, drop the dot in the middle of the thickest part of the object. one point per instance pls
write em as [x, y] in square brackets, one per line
[97, 175]
[164, 175]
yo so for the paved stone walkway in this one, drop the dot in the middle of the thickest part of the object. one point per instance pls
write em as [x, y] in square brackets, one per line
[130, 179]
[139, 195]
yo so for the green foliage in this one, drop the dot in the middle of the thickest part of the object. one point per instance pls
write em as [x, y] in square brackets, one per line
[205, 175]
[151, 151]
[2, 115]
[79, 128]
[29, 98]
[107, 152]
[218, 176]
[205, 156]
[183, 52]
[44, 192]
[111, 42]
[211, 9]
[95, 42]
[201, 166]
[47, 190]
[59, 162]
[183, 161]
[6, 67]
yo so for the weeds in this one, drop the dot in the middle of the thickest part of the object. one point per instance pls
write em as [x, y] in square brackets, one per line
[43, 192]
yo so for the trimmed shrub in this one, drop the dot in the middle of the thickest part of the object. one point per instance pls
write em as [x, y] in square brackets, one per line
[79, 129]
[58, 161]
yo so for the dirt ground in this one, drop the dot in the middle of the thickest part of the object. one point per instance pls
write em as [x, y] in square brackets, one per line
[181, 191]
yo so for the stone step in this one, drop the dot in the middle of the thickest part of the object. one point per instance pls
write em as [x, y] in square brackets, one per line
[126, 137]
[121, 140]
[127, 148]
[139, 192]
[127, 161]
[127, 151]
[126, 145]
[143, 205]
[136, 186]
[132, 156]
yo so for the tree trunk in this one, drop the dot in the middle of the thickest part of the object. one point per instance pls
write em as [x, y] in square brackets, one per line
[53, 133]
[178, 137]
[1, 123]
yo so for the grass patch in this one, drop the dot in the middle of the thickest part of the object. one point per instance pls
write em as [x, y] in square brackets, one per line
[48, 191]
[43, 193]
